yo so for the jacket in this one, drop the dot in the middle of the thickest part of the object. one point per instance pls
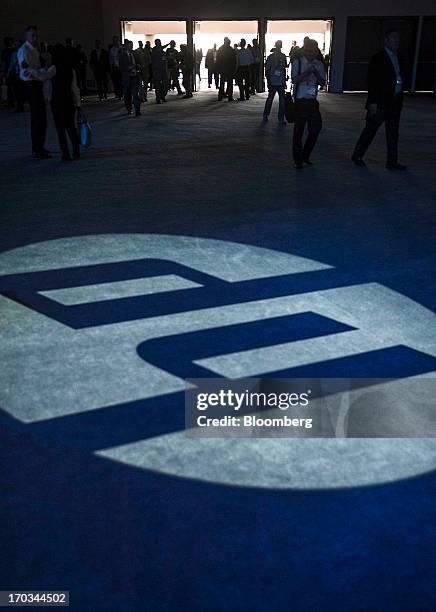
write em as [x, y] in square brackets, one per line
[226, 60]
[382, 80]
[99, 64]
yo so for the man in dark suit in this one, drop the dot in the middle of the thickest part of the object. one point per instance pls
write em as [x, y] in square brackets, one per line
[212, 72]
[187, 67]
[384, 102]
[99, 62]
[226, 66]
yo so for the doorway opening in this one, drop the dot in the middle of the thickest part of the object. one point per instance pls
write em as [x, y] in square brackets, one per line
[292, 32]
[150, 30]
[210, 33]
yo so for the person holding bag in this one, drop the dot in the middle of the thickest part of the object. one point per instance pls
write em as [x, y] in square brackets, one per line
[275, 71]
[308, 73]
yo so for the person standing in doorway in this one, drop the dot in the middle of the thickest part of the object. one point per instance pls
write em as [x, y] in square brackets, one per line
[294, 53]
[226, 65]
[173, 64]
[148, 49]
[255, 68]
[211, 62]
[160, 71]
[187, 68]
[114, 65]
[275, 72]
[307, 75]
[244, 59]
[33, 76]
[198, 60]
[143, 61]
[130, 79]
[384, 102]
[99, 62]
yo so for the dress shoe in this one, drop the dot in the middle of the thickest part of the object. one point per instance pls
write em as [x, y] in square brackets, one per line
[358, 161]
[138, 114]
[395, 166]
[307, 162]
[43, 155]
[67, 157]
[299, 166]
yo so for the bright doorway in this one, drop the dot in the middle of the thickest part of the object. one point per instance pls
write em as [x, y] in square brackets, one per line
[150, 30]
[291, 31]
[210, 33]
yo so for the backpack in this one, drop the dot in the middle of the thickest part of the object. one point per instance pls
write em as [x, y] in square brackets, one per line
[276, 76]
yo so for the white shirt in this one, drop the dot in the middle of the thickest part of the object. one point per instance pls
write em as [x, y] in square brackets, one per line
[28, 54]
[307, 89]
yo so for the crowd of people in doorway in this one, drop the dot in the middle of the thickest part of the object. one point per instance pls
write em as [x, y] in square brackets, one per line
[36, 72]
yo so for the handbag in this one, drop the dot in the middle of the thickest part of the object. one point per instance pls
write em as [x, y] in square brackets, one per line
[85, 132]
[290, 100]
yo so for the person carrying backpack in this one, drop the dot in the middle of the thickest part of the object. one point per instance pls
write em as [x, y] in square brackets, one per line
[275, 71]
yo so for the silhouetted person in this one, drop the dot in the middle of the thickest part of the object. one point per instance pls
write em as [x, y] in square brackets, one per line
[114, 65]
[160, 71]
[13, 78]
[198, 60]
[33, 75]
[73, 56]
[384, 102]
[187, 68]
[6, 56]
[295, 51]
[275, 71]
[244, 59]
[45, 55]
[143, 61]
[65, 100]
[308, 74]
[173, 62]
[99, 62]
[226, 65]
[211, 63]
[147, 47]
[255, 68]
[82, 62]
[308, 40]
[130, 79]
